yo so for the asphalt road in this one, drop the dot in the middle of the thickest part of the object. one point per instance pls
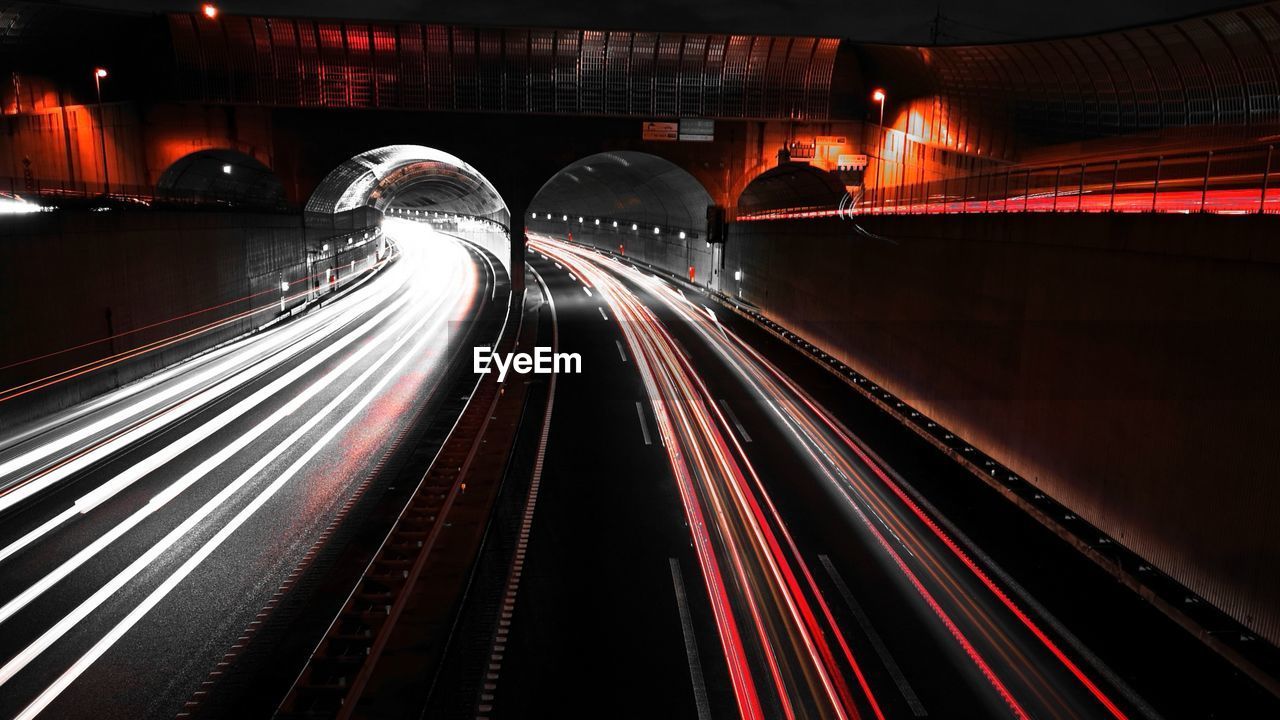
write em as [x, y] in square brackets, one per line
[714, 538]
[143, 531]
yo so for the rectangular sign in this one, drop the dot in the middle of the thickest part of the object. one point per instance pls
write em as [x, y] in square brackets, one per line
[697, 130]
[660, 131]
[852, 162]
[831, 140]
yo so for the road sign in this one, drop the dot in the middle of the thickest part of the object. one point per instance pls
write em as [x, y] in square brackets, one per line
[660, 131]
[852, 162]
[697, 130]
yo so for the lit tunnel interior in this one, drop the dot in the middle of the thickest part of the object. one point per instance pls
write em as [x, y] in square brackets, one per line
[632, 203]
[420, 183]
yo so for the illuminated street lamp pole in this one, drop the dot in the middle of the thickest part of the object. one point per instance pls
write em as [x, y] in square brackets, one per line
[878, 96]
[98, 74]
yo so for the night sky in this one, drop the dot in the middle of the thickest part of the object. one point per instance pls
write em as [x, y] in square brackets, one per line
[906, 21]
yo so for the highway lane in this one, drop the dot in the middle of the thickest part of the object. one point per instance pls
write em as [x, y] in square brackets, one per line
[597, 582]
[143, 531]
[933, 626]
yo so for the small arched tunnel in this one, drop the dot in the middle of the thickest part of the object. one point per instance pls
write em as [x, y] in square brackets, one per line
[632, 203]
[791, 188]
[221, 175]
[419, 183]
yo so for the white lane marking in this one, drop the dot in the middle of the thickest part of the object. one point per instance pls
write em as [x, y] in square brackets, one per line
[573, 277]
[690, 644]
[904, 687]
[587, 290]
[644, 426]
[621, 353]
[100, 648]
[137, 566]
[734, 419]
[606, 317]
[559, 267]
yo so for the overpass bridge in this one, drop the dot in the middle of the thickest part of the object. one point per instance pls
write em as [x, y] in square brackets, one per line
[1020, 296]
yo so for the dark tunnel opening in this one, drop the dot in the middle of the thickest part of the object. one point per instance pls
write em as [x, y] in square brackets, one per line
[222, 176]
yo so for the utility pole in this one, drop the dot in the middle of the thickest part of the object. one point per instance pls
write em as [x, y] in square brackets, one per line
[935, 28]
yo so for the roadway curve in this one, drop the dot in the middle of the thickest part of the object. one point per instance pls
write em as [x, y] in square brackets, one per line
[144, 530]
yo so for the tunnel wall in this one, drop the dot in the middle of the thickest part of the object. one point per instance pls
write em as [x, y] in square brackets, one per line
[69, 278]
[1127, 365]
[664, 251]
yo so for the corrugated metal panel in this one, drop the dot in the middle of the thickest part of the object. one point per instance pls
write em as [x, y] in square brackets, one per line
[273, 61]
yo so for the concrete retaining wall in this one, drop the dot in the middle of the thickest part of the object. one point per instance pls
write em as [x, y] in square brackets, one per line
[1125, 364]
[69, 281]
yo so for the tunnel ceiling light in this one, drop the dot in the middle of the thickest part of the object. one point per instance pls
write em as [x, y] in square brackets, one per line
[209, 10]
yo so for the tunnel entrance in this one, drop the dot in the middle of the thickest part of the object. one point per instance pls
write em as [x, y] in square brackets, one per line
[223, 176]
[417, 183]
[631, 203]
[791, 189]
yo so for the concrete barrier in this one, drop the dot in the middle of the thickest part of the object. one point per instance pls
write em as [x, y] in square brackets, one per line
[1125, 364]
[77, 287]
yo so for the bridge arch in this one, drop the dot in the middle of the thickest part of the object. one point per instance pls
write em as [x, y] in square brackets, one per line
[221, 175]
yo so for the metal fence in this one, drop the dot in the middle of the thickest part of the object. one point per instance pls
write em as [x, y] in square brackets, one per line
[1234, 181]
[43, 191]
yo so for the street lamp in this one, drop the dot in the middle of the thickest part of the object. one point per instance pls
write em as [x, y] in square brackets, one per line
[878, 96]
[209, 10]
[98, 74]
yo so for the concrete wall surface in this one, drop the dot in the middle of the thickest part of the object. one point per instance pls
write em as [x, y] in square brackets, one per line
[78, 286]
[1125, 364]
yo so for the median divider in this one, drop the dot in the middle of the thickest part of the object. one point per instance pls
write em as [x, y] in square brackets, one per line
[375, 656]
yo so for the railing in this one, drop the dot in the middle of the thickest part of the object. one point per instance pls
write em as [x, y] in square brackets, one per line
[1234, 181]
[53, 190]
[1227, 181]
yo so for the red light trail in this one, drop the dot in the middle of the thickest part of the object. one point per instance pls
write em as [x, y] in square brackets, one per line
[1026, 669]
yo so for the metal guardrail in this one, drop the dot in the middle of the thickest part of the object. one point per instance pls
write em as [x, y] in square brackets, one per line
[45, 189]
[1235, 181]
